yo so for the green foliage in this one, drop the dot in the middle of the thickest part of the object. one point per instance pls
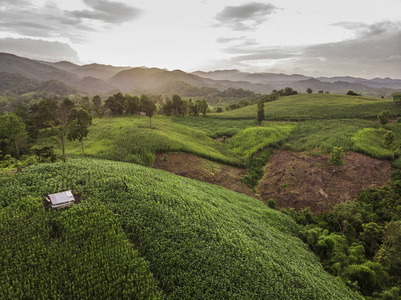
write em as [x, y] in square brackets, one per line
[130, 139]
[44, 153]
[251, 140]
[261, 111]
[81, 253]
[271, 203]
[360, 241]
[336, 156]
[372, 142]
[352, 93]
[316, 106]
[384, 117]
[397, 98]
[197, 240]
[255, 168]
[388, 138]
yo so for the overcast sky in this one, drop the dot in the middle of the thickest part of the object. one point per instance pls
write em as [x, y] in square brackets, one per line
[311, 37]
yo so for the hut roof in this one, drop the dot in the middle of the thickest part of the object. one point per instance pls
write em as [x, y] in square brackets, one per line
[61, 199]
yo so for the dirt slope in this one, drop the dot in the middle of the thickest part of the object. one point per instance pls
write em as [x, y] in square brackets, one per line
[195, 167]
[298, 180]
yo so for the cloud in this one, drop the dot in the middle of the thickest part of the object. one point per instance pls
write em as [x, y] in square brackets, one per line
[39, 49]
[49, 21]
[373, 52]
[106, 11]
[245, 17]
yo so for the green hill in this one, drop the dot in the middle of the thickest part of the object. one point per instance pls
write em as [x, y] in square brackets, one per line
[131, 139]
[141, 233]
[316, 106]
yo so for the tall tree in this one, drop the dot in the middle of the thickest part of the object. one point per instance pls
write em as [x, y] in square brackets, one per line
[62, 115]
[148, 106]
[261, 111]
[12, 129]
[78, 121]
[202, 106]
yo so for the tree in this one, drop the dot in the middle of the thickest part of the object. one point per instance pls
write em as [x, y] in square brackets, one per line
[131, 104]
[203, 106]
[336, 156]
[352, 93]
[397, 98]
[384, 117]
[261, 111]
[62, 114]
[388, 138]
[78, 121]
[148, 106]
[309, 90]
[12, 129]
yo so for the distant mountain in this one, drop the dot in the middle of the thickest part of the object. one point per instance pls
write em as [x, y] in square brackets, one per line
[106, 79]
[376, 82]
[91, 70]
[261, 78]
[161, 81]
[17, 84]
[42, 71]
[35, 70]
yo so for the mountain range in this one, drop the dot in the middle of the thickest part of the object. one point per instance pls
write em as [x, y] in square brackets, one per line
[101, 79]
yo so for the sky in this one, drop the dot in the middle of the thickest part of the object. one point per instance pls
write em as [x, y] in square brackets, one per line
[311, 37]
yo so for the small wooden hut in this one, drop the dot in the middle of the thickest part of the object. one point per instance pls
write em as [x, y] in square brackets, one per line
[61, 199]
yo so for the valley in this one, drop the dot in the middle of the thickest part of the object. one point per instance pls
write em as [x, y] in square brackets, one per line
[259, 210]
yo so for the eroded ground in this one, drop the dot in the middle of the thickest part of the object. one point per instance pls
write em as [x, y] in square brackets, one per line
[291, 179]
[195, 167]
[299, 180]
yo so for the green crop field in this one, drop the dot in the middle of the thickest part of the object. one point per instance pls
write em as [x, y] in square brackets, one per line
[140, 233]
[316, 106]
[253, 139]
[131, 139]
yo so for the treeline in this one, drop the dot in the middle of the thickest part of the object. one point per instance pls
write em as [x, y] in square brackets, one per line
[360, 241]
[70, 120]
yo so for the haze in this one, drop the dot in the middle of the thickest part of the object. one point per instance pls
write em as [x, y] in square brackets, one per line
[314, 38]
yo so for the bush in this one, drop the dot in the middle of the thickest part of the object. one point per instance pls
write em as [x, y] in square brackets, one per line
[336, 156]
[271, 203]
[384, 117]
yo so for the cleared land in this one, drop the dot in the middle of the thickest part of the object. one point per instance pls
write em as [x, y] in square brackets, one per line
[299, 180]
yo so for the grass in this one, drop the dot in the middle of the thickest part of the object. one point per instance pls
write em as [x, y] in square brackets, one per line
[316, 106]
[254, 139]
[130, 139]
[137, 226]
[326, 134]
[215, 128]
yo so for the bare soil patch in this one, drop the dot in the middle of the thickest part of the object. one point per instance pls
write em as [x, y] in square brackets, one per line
[299, 180]
[195, 167]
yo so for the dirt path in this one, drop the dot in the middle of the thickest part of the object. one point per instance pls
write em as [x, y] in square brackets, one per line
[195, 167]
[298, 180]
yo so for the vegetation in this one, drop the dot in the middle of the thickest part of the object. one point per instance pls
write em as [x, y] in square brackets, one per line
[384, 117]
[136, 226]
[359, 241]
[336, 157]
[317, 106]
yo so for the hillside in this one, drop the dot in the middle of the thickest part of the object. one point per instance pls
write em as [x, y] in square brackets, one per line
[12, 83]
[33, 69]
[41, 71]
[192, 239]
[317, 106]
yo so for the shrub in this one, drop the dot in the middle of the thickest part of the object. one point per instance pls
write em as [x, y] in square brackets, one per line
[271, 203]
[384, 117]
[336, 156]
